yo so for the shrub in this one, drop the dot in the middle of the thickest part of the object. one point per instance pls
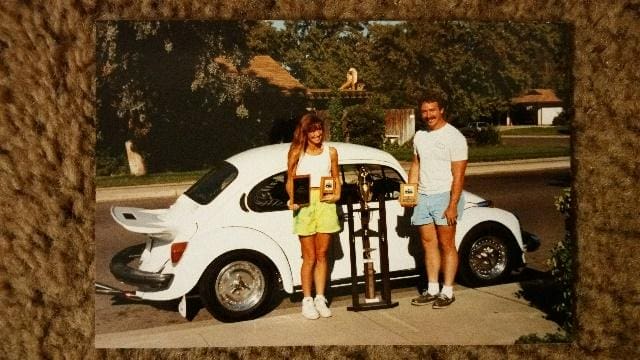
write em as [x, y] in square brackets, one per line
[336, 113]
[561, 263]
[563, 118]
[559, 295]
[365, 125]
[108, 164]
[402, 152]
[490, 136]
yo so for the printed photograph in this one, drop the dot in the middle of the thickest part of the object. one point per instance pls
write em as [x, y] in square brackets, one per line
[205, 237]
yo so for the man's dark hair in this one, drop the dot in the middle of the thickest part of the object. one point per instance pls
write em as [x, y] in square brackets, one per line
[433, 96]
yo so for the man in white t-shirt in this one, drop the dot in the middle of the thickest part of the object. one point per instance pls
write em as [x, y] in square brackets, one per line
[439, 163]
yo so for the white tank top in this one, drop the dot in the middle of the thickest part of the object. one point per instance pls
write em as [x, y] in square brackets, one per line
[315, 165]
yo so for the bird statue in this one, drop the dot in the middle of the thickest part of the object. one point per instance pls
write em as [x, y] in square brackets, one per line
[352, 80]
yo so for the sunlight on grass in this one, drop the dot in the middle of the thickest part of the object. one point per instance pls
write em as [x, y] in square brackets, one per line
[161, 178]
[537, 131]
[505, 152]
[403, 153]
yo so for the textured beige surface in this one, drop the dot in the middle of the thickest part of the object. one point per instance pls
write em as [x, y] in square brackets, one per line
[47, 137]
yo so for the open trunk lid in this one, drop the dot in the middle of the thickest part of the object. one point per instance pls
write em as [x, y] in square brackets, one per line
[154, 221]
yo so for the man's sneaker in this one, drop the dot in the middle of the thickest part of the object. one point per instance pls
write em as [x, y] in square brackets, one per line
[321, 306]
[424, 299]
[308, 309]
[443, 301]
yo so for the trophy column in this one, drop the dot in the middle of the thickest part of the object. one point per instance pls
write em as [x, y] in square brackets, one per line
[371, 301]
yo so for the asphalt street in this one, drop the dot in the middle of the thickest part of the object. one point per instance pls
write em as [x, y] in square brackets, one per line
[529, 194]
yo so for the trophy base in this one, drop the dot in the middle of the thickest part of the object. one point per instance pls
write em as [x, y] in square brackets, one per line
[371, 304]
[373, 300]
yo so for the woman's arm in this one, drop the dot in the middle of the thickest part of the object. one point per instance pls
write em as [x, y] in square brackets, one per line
[291, 172]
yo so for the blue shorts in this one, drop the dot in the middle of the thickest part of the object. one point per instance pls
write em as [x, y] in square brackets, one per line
[431, 208]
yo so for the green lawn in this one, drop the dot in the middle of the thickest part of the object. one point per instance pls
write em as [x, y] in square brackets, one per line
[160, 178]
[508, 152]
[476, 154]
[541, 131]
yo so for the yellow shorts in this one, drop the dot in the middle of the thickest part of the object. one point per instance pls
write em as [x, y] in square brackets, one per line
[317, 217]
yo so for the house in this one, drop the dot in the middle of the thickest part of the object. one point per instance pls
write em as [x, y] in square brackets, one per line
[535, 107]
[399, 123]
[266, 68]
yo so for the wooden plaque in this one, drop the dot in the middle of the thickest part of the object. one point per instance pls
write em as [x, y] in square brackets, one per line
[408, 194]
[301, 189]
[327, 186]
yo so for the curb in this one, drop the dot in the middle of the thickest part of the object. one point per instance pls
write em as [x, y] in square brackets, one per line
[476, 168]
[504, 317]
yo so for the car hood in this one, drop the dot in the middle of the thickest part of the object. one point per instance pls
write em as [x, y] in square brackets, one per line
[471, 199]
[153, 221]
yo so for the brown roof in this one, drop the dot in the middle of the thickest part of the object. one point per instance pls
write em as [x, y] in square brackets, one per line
[264, 67]
[537, 96]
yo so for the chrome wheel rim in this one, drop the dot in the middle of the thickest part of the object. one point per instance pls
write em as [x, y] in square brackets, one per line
[488, 257]
[240, 285]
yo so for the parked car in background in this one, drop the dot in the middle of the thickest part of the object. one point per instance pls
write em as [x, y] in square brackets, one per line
[228, 239]
[473, 128]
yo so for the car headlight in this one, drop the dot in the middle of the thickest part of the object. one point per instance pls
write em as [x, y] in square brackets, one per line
[485, 203]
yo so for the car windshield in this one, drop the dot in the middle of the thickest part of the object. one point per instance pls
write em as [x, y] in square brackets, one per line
[212, 184]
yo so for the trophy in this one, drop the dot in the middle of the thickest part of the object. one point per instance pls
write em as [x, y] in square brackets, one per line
[301, 188]
[365, 184]
[371, 301]
[327, 186]
[408, 194]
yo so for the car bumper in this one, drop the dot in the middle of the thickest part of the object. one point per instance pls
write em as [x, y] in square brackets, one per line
[144, 280]
[531, 242]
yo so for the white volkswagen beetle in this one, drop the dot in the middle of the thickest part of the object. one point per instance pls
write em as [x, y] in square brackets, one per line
[229, 237]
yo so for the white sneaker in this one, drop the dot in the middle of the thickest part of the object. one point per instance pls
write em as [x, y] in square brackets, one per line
[308, 309]
[321, 305]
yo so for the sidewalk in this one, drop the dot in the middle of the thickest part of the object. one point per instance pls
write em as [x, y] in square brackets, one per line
[479, 168]
[490, 316]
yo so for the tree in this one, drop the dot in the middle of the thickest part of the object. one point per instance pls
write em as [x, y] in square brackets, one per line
[156, 78]
[319, 53]
[479, 66]
[365, 125]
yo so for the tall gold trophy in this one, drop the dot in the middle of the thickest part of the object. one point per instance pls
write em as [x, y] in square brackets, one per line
[365, 194]
[365, 184]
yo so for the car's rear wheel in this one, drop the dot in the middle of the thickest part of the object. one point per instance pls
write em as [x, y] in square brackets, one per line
[238, 286]
[487, 255]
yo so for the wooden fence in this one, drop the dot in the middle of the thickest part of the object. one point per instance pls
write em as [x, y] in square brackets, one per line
[399, 124]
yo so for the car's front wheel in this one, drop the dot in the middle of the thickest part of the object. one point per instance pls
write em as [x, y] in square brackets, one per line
[238, 286]
[487, 255]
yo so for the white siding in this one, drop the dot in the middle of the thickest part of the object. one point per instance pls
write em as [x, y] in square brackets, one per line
[546, 115]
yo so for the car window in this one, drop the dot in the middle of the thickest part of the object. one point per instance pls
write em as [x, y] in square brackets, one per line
[211, 184]
[385, 180]
[269, 195]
